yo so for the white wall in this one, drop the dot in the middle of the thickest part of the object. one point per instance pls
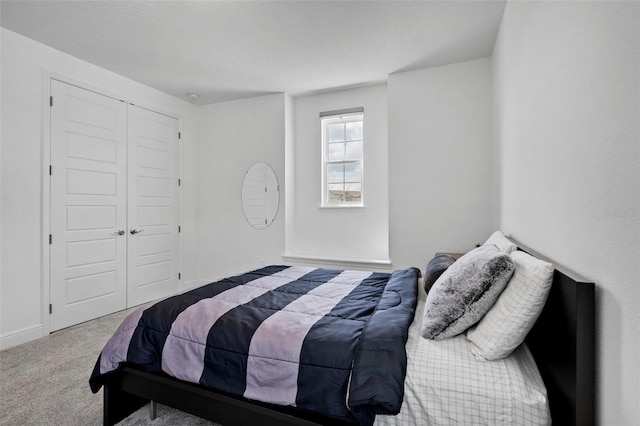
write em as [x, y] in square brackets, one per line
[440, 160]
[24, 62]
[567, 98]
[233, 136]
[342, 234]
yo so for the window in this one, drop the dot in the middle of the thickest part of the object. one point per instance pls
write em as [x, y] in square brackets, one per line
[342, 157]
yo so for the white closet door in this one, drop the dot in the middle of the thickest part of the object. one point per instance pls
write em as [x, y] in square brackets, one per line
[88, 205]
[153, 206]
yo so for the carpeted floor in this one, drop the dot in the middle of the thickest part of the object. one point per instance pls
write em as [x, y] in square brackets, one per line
[46, 381]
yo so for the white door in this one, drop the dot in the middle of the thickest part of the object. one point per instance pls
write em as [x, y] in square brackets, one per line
[88, 205]
[153, 206]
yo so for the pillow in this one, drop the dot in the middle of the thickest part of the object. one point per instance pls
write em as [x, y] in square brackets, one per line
[435, 268]
[509, 321]
[465, 292]
[503, 243]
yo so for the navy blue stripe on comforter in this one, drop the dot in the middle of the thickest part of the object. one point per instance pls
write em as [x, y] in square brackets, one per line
[325, 341]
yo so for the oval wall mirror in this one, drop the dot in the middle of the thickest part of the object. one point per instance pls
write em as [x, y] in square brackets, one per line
[260, 195]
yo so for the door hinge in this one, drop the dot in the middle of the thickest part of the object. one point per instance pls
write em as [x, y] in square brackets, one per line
[179, 135]
[179, 276]
[50, 101]
[179, 182]
[50, 170]
[179, 228]
[50, 308]
[50, 239]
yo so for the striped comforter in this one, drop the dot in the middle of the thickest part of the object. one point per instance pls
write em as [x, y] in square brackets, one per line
[325, 341]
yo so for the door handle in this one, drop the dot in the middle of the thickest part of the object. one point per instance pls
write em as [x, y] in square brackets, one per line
[135, 231]
[120, 232]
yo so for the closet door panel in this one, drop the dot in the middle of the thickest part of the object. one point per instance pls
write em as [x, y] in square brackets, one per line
[152, 206]
[88, 256]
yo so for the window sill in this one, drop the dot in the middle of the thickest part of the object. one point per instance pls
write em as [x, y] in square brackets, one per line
[338, 262]
[341, 206]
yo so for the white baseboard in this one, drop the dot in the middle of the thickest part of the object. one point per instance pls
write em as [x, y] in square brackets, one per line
[21, 336]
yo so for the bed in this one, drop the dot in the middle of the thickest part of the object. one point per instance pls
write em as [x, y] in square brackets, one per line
[555, 365]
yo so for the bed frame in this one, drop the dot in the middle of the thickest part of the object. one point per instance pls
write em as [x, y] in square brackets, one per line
[562, 343]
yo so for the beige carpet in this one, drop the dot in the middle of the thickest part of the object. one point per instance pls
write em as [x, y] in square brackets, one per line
[46, 381]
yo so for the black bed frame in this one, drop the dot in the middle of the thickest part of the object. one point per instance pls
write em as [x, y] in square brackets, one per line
[562, 343]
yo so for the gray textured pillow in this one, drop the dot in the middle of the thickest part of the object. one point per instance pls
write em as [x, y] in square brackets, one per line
[465, 292]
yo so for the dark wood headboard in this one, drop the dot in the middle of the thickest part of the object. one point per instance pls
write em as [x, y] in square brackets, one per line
[563, 344]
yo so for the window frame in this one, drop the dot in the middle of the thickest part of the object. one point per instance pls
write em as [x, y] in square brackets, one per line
[333, 117]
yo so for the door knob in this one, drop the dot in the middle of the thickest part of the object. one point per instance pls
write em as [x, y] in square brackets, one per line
[135, 231]
[120, 232]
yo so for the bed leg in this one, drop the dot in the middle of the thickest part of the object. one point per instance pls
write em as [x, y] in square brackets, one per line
[152, 410]
[117, 404]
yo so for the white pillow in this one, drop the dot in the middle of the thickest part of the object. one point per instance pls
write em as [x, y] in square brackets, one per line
[510, 319]
[503, 243]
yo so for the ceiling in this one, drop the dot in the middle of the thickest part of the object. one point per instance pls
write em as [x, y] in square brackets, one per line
[225, 50]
